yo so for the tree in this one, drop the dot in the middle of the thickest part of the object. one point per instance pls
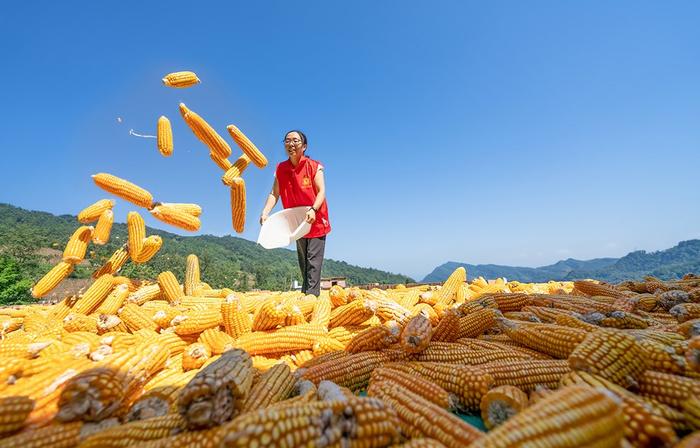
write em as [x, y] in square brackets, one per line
[13, 287]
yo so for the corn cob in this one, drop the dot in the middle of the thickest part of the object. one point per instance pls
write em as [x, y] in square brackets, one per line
[270, 315]
[501, 403]
[151, 246]
[410, 299]
[144, 294]
[92, 212]
[124, 189]
[224, 163]
[598, 289]
[247, 146]
[572, 416]
[216, 340]
[692, 354]
[354, 313]
[97, 393]
[136, 432]
[389, 310]
[236, 321]
[53, 436]
[176, 217]
[416, 384]
[170, 287]
[611, 354]
[137, 233]
[691, 409]
[192, 278]
[448, 292]
[667, 388]
[475, 323]
[205, 133]
[113, 301]
[109, 322]
[236, 170]
[94, 296]
[238, 204]
[274, 386]
[80, 322]
[351, 371]
[190, 209]
[218, 391]
[467, 383]
[644, 427]
[286, 339]
[165, 136]
[338, 296]
[51, 279]
[511, 301]
[135, 318]
[454, 353]
[416, 335]
[321, 314]
[685, 311]
[325, 345]
[553, 340]
[195, 322]
[690, 441]
[181, 79]
[661, 357]
[194, 356]
[374, 338]
[77, 245]
[114, 264]
[14, 411]
[448, 328]
[100, 236]
[419, 417]
[528, 374]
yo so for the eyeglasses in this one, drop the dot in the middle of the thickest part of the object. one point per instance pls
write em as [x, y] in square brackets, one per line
[296, 141]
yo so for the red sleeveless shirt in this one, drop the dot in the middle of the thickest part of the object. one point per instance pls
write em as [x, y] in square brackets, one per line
[297, 188]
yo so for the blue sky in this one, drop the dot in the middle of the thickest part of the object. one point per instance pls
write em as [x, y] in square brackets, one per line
[486, 132]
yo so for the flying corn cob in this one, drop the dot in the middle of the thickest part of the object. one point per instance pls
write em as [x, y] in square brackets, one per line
[235, 170]
[51, 279]
[181, 79]
[100, 236]
[247, 146]
[124, 189]
[205, 133]
[238, 204]
[176, 217]
[115, 262]
[93, 212]
[192, 275]
[572, 416]
[218, 391]
[190, 209]
[77, 245]
[151, 246]
[165, 137]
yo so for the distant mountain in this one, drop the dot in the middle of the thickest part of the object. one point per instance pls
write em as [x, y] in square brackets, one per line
[227, 261]
[667, 264]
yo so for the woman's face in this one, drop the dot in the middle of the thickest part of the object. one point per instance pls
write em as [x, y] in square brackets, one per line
[294, 144]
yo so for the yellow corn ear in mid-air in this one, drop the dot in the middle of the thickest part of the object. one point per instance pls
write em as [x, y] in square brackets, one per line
[192, 275]
[238, 204]
[248, 148]
[137, 233]
[181, 79]
[192, 209]
[51, 279]
[224, 164]
[165, 136]
[92, 212]
[205, 132]
[151, 246]
[236, 170]
[124, 189]
[103, 228]
[77, 245]
[176, 217]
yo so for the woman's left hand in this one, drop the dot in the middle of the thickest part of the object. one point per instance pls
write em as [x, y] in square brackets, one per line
[310, 216]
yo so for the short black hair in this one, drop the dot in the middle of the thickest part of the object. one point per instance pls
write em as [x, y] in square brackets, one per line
[301, 134]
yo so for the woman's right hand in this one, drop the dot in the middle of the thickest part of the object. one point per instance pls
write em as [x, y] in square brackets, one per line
[263, 218]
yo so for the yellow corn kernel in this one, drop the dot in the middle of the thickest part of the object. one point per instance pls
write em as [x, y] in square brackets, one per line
[176, 217]
[92, 212]
[165, 136]
[247, 146]
[181, 79]
[205, 132]
[124, 189]
[238, 204]
[77, 245]
[51, 279]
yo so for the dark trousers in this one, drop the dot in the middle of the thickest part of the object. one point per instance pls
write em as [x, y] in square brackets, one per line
[310, 253]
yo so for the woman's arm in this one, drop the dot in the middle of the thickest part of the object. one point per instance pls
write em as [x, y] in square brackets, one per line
[320, 184]
[271, 201]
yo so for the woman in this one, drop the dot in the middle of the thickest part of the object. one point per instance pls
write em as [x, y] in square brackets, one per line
[300, 182]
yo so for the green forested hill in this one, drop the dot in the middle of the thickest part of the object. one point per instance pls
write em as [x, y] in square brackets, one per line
[26, 238]
[666, 264]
